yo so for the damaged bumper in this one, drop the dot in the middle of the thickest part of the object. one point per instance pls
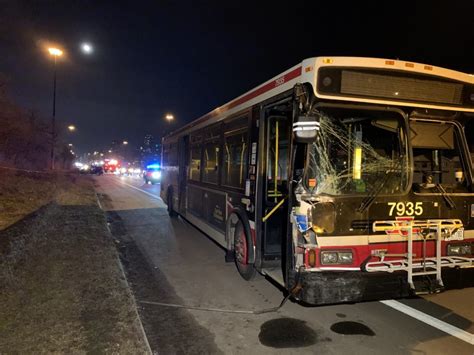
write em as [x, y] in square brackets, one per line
[320, 288]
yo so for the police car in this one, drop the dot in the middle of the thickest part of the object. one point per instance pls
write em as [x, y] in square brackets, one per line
[152, 174]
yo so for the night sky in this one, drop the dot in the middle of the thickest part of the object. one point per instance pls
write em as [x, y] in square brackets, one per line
[189, 57]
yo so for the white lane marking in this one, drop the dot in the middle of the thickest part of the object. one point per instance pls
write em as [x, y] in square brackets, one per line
[434, 322]
[145, 192]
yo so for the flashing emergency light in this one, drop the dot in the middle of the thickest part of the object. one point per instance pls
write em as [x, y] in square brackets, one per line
[153, 166]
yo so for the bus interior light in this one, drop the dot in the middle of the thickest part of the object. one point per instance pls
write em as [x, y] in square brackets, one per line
[356, 169]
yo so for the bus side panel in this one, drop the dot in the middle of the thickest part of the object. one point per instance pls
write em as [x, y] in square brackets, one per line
[195, 198]
[215, 207]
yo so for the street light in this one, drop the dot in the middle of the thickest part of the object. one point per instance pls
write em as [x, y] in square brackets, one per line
[71, 128]
[55, 52]
[169, 117]
[125, 142]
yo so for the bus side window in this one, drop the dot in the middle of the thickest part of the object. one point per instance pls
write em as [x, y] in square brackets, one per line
[195, 141]
[195, 163]
[172, 156]
[235, 159]
[211, 162]
[277, 157]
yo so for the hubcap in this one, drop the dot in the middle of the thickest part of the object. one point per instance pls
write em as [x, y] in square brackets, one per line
[241, 248]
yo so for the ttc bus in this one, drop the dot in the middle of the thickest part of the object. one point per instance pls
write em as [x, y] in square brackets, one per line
[342, 179]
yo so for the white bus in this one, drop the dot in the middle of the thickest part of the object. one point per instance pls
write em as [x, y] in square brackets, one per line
[343, 179]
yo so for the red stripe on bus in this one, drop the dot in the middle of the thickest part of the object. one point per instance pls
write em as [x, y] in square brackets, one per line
[267, 87]
[251, 95]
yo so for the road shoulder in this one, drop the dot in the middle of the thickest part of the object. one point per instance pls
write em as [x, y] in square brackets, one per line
[61, 287]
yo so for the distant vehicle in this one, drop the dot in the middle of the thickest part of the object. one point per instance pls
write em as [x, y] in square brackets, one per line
[152, 174]
[342, 179]
[96, 170]
[111, 165]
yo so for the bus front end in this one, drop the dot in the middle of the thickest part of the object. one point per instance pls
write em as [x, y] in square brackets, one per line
[383, 199]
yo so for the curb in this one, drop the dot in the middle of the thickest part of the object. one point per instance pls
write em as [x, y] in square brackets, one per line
[129, 290]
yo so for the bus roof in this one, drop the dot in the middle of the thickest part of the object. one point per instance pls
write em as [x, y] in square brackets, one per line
[306, 72]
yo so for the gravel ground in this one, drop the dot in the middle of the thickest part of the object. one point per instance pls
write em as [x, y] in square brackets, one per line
[61, 287]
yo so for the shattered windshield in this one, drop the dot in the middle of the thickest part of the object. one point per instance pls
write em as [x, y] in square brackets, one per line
[355, 151]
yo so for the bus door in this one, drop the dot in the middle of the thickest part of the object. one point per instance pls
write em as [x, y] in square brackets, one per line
[183, 161]
[275, 198]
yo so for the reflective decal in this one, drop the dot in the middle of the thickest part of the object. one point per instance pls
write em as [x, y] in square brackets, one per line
[405, 208]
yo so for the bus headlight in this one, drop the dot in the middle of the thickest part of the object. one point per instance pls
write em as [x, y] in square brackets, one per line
[329, 257]
[156, 174]
[344, 257]
[459, 249]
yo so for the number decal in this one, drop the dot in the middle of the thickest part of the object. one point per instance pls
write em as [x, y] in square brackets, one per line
[391, 208]
[419, 208]
[400, 209]
[280, 81]
[405, 208]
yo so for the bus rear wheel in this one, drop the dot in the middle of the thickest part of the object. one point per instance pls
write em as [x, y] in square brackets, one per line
[169, 203]
[241, 252]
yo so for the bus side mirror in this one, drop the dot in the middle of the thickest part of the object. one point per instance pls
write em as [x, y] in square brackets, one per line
[305, 128]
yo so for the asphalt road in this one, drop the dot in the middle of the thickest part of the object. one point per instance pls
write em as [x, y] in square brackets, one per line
[170, 261]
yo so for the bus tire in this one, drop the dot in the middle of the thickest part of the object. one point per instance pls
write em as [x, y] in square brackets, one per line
[169, 203]
[242, 244]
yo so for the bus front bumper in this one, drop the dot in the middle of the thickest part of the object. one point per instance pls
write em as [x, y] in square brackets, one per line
[331, 287]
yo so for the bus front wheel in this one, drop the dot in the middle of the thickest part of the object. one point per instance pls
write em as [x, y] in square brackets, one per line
[241, 252]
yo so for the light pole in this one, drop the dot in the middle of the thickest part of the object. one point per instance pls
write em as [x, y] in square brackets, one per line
[170, 118]
[55, 52]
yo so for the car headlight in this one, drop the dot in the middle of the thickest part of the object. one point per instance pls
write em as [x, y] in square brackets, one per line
[459, 249]
[156, 174]
[336, 257]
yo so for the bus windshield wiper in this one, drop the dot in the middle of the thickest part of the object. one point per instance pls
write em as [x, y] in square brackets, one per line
[448, 199]
[370, 198]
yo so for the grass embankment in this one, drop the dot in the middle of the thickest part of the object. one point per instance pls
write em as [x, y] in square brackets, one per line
[61, 288]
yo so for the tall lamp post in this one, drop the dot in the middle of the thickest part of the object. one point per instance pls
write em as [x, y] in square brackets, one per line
[55, 52]
[170, 118]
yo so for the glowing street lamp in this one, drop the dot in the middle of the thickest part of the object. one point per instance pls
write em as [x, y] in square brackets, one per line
[71, 128]
[169, 117]
[55, 52]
